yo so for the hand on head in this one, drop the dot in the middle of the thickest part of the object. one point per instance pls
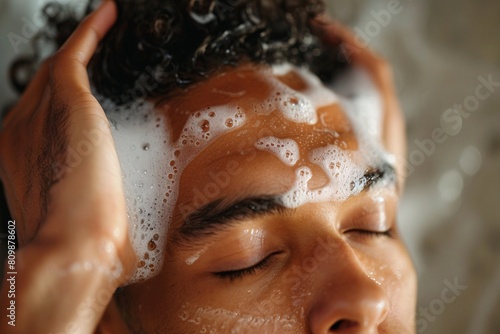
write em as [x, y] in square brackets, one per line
[63, 184]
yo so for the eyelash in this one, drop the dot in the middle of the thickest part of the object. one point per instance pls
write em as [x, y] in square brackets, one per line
[372, 234]
[233, 275]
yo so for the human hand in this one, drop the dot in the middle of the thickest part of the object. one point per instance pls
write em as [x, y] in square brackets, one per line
[63, 184]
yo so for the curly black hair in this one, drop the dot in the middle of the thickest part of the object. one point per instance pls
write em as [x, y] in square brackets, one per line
[175, 43]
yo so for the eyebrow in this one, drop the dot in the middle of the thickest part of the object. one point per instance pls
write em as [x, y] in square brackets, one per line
[218, 215]
[385, 173]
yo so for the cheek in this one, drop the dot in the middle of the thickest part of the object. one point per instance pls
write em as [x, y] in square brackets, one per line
[205, 314]
[392, 269]
[397, 275]
[204, 319]
[194, 306]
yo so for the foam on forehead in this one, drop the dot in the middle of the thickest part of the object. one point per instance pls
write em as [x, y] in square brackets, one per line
[299, 107]
[152, 161]
[286, 150]
[152, 164]
[362, 104]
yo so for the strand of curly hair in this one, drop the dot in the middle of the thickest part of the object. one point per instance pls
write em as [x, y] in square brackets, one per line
[180, 42]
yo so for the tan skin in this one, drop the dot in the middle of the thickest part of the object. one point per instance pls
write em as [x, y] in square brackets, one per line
[81, 217]
[323, 273]
[359, 281]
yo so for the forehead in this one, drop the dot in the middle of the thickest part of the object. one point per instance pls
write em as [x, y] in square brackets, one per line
[251, 115]
[256, 91]
[249, 102]
[268, 125]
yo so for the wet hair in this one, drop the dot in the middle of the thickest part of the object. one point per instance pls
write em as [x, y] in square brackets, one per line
[175, 43]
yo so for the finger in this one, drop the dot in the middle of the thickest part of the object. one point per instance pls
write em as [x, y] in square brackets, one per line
[86, 130]
[97, 169]
[31, 96]
[82, 43]
[69, 66]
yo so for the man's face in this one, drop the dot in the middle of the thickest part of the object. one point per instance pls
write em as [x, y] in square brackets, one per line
[285, 223]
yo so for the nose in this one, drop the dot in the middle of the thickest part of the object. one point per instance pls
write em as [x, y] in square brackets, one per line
[346, 298]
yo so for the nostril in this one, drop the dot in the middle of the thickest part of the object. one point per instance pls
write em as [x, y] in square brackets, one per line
[341, 325]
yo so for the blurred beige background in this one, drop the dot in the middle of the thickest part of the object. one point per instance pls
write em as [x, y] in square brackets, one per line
[450, 215]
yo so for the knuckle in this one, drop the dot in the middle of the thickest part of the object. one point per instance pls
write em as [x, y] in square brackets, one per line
[82, 99]
[94, 31]
[49, 254]
[60, 60]
[55, 60]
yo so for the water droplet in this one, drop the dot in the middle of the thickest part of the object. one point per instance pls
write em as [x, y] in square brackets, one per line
[205, 126]
[184, 316]
[151, 245]
[145, 147]
[229, 123]
[293, 100]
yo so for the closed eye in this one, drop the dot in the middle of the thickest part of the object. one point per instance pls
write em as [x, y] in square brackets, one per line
[233, 275]
[371, 234]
